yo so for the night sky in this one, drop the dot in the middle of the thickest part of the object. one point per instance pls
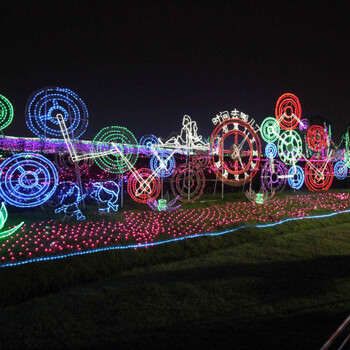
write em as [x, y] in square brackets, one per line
[144, 65]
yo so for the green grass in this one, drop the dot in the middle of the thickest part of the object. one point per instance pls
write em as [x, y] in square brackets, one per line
[285, 287]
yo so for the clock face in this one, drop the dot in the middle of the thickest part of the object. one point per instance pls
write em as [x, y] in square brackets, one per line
[235, 151]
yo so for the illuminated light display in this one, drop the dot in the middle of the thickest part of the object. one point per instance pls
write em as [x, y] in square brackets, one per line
[187, 183]
[162, 163]
[27, 180]
[6, 112]
[270, 130]
[148, 143]
[303, 125]
[164, 205]
[288, 111]
[143, 185]
[3, 219]
[69, 197]
[317, 138]
[66, 166]
[106, 193]
[296, 177]
[126, 142]
[271, 150]
[318, 174]
[235, 151]
[44, 105]
[188, 140]
[200, 159]
[273, 176]
[289, 147]
[340, 170]
[149, 228]
[347, 158]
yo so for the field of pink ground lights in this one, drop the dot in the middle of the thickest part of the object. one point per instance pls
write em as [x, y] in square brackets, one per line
[48, 240]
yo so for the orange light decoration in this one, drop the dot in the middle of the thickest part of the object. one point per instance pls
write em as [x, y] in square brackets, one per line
[288, 111]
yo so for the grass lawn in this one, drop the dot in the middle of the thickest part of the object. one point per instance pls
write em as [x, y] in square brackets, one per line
[284, 287]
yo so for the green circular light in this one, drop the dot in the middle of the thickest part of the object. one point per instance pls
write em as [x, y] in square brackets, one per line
[347, 158]
[289, 147]
[270, 130]
[6, 112]
[125, 147]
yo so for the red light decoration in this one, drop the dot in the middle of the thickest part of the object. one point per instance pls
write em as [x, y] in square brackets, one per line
[143, 185]
[288, 111]
[319, 174]
[316, 138]
[235, 151]
[188, 183]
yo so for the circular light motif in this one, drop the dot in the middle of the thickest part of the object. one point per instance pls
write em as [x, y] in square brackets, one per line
[148, 142]
[162, 164]
[188, 183]
[271, 150]
[6, 112]
[43, 107]
[143, 185]
[200, 159]
[316, 138]
[296, 177]
[318, 174]
[125, 147]
[289, 147]
[27, 180]
[235, 151]
[270, 130]
[340, 170]
[273, 176]
[288, 111]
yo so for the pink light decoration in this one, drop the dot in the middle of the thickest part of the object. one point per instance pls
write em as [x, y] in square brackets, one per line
[48, 238]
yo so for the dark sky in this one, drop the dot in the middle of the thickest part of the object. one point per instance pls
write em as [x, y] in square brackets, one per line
[143, 65]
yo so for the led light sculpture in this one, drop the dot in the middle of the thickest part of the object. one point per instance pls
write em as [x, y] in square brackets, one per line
[163, 161]
[289, 147]
[106, 193]
[163, 204]
[69, 197]
[288, 111]
[317, 138]
[270, 130]
[6, 112]
[340, 170]
[296, 177]
[235, 139]
[187, 183]
[271, 150]
[27, 180]
[44, 105]
[148, 143]
[318, 174]
[3, 219]
[273, 176]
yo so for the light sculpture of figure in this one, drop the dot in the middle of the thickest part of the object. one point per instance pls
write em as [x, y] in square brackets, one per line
[259, 197]
[3, 219]
[69, 197]
[44, 105]
[27, 180]
[107, 194]
[188, 140]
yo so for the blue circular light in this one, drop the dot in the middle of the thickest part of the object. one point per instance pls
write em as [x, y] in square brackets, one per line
[162, 164]
[297, 177]
[147, 142]
[43, 107]
[340, 170]
[27, 180]
[271, 150]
